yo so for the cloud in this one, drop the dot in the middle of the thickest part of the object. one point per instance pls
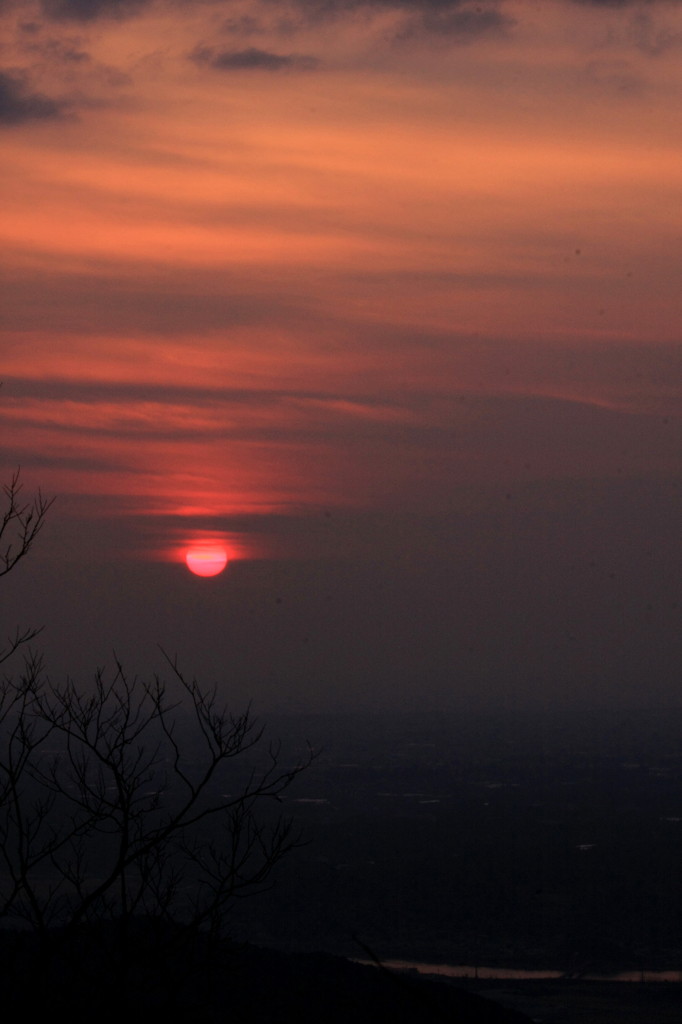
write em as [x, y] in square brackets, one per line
[453, 19]
[615, 4]
[18, 106]
[615, 76]
[252, 59]
[90, 10]
[467, 18]
[651, 38]
[59, 51]
[244, 25]
[463, 18]
[469, 7]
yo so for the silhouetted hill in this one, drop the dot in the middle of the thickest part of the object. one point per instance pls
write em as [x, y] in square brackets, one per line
[156, 977]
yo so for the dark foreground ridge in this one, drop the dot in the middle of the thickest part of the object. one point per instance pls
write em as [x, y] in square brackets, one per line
[92, 975]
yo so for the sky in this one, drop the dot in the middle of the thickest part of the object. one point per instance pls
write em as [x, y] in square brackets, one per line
[384, 297]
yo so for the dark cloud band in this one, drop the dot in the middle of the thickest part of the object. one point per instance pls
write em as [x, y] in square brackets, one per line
[90, 10]
[251, 59]
[466, 17]
[18, 105]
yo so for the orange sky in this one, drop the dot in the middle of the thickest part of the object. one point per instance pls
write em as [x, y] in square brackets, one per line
[386, 262]
[405, 208]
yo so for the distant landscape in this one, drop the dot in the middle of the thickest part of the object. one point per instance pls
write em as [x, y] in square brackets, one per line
[521, 855]
[528, 839]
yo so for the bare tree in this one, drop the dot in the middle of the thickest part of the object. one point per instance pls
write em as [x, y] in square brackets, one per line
[20, 523]
[132, 817]
[112, 805]
[129, 800]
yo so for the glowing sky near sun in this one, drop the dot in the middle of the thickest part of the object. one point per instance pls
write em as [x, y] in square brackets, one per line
[383, 298]
[270, 256]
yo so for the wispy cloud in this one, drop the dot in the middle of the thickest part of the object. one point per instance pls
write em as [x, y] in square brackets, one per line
[91, 10]
[252, 59]
[18, 104]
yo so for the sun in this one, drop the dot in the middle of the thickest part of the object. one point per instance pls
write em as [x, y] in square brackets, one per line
[206, 560]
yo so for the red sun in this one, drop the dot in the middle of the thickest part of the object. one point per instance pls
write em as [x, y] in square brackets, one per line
[206, 561]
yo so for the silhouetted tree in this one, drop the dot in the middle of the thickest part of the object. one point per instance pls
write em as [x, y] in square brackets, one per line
[112, 805]
[131, 799]
[20, 523]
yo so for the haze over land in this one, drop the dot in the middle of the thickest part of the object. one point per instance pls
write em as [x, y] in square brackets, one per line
[383, 295]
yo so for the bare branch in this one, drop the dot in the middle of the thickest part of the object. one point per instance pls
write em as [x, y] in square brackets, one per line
[20, 523]
[128, 808]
